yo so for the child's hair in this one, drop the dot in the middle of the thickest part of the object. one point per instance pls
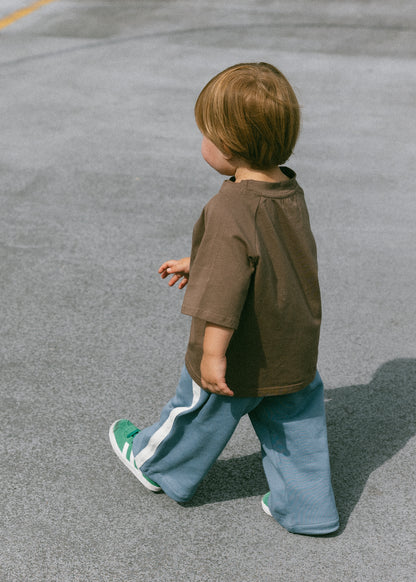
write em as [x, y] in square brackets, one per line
[251, 111]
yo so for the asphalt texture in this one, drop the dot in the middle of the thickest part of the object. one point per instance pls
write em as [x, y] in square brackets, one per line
[101, 180]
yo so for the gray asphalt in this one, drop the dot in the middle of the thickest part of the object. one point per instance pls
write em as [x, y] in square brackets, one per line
[101, 180]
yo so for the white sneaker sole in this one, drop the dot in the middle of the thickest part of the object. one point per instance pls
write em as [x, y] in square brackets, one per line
[130, 464]
[265, 508]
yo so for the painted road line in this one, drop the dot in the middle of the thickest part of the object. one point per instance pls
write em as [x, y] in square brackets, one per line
[7, 20]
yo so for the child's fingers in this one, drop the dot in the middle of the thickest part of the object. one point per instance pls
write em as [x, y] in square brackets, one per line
[224, 390]
[222, 386]
[166, 269]
[221, 391]
[219, 388]
[166, 265]
[177, 269]
[173, 266]
[175, 278]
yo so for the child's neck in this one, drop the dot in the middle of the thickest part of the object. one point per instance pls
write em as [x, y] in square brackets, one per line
[272, 175]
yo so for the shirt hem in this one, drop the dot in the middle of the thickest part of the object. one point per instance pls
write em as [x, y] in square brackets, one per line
[255, 392]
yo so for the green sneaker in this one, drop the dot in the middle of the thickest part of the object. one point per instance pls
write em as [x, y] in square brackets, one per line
[265, 504]
[122, 433]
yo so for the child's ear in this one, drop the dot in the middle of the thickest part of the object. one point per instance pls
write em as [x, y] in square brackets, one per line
[227, 153]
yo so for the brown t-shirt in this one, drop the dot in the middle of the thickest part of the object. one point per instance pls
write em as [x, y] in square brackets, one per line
[254, 269]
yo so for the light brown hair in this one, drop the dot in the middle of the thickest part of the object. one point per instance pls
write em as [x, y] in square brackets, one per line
[250, 110]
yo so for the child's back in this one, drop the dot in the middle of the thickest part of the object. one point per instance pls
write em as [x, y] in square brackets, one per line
[254, 269]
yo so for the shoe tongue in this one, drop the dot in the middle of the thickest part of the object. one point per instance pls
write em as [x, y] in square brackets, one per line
[132, 433]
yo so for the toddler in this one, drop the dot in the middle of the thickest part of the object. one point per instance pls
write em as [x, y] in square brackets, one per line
[253, 293]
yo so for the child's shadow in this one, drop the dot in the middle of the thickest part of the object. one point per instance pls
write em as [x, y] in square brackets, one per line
[367, 425]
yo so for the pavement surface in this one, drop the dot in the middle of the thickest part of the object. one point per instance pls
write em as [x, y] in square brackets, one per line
[101, 180]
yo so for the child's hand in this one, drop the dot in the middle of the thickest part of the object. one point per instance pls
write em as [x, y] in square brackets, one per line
[213, 375]
[178, 270]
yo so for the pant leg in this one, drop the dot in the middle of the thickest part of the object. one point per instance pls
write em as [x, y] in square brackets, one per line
[293, 436]
[193, 429]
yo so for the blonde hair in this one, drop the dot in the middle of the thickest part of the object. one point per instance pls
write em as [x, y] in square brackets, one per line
[250, 110]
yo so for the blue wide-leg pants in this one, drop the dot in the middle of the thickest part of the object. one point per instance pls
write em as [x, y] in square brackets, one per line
[195, 426]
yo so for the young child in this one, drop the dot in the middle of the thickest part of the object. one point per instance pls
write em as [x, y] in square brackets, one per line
[253, 293]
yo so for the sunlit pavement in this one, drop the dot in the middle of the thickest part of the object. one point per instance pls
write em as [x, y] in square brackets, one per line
[101, 181]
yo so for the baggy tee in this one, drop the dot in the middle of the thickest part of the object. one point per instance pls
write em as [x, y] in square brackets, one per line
[254, 269]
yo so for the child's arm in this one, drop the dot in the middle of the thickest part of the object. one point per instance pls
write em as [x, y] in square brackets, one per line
[214, 362]
[178, 269]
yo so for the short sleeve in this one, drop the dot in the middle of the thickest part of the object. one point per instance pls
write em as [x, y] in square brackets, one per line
[221, 265]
